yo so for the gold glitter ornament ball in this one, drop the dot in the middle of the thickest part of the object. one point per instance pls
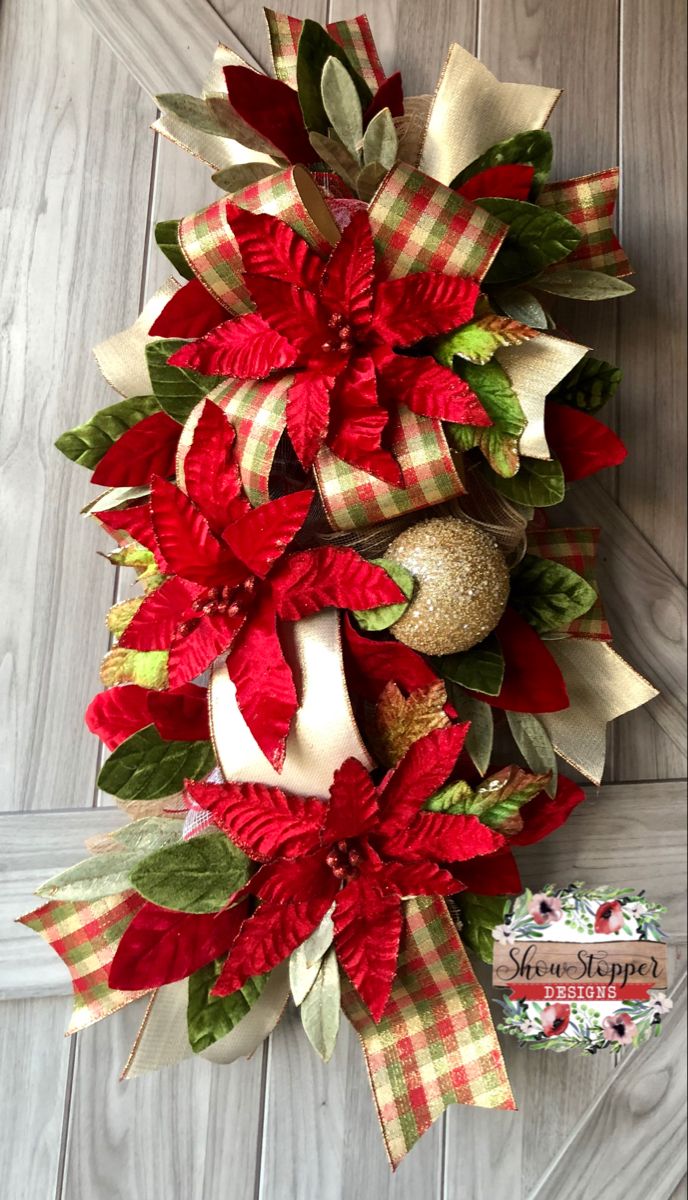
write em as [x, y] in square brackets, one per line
[462, 585]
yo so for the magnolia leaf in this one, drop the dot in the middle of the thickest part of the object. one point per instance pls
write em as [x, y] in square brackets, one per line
[589, 386]
[374, 619]
[539, 482]
[535, 745]
[149, 834]
[96, 877]
[478, 340]
[532, 148]
[480, 669]
[315, 48]
[522, 306]
[193, 111]
[167, 238]
[233, 179]
[121, 615]
[143, 562]
[145, 667]
[380, 141]
[145, 767]
[537, 237]
[549, 595]
[368, 181]
[401, 720]
[177, 389]
[86, 444]
[321, 1008]
[499, 441]
[209, 1017]
[304, 962]
[479, 916]
[582, 285]
[196, 876]
[342, 105]
[337, 157]
[480, 736]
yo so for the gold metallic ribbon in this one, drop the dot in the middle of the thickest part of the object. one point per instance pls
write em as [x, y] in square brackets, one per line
[122, 358]
[534, 369]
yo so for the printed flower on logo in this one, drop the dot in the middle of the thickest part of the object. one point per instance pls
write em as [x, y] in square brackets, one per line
[619, 1027]
[364, 851]
[231, 580]
[609, 917]
[504, 935]
[555, 1019]
[544, 909]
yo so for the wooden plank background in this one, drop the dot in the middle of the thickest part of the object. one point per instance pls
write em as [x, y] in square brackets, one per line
[83, 182]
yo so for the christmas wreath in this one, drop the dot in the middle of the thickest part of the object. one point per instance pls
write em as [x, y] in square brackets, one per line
[331, 468]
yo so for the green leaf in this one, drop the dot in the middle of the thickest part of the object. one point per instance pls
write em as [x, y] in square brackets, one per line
[539, 482]
[522, 306]
[142, 560]
[177, 389]
[197, 876]
[192, 110]
[145, 767]
[209, 1017]
[549, 595]
[535, 745]
[374, 619]
[537, 237]
[479, 916]
[582, 285]
[368, 181]
[380, 141]
[342, 105]
[480, 669]
[304, 962]
[86, 444]
[499, 441]
[145, 667]
[102, 875]
[589, 386]
[149, 834]
[480, 736]
[233, 179]
[167, 238]
[478, 340]
[321, 1008]
[532, 148]
[452, 798]
[336, 156]
[495, 802]
[315, 47]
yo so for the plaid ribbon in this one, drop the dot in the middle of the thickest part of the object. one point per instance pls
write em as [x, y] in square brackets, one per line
[353, 36]
[588, 202]
[86, 935]
[576, 549]
[257, 412]
[436, 1043]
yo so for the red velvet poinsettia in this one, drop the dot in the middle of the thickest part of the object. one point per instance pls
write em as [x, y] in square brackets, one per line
[342, 330]
[362, 852]
[230, 579]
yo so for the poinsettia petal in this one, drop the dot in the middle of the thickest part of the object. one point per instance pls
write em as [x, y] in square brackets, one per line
[115, 714]
[367, 931]
[181, 714]
[422, 305]
[294, 313]
[147, 449]
[210, 472]
[265, 691]
[244, 347]
[161, 945]
[267, 938]
[271, 108]
[294, 879]
[308, 414]
[532, 679]
[330, 577]
[193, 650]
[191, 313]
[263, 821]
[154, 624]
[491, 875]
[136, 521]
[371, 663]
[444, 837]
[426, 765]
[421, 879]
[510, 181]
[262, 535]
[348, 278]
[353, 807]
[543, 814]
[580, 442]
[269, 246]
[430, 389]
[187, 541]
[390, 94]
[359, 421]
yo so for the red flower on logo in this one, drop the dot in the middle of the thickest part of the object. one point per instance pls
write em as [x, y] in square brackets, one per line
[555, 1019]
[342, 329]
[620, 1027]
[363, 852]
[609, 917]
[230, 580]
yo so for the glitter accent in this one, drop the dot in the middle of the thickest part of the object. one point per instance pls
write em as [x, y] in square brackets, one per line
[462, 585]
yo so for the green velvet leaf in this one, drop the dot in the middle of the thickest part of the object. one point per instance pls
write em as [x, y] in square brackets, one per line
[197, 876]
[193, 110]
[582, 285]
[535, 745]
[548, 595]
[479, 916]
[177, 389]
[315, 47]
[86, 444]
[480, 736]
[497, 442]
[523, 306]
[380, 141]
[142, 560]
[321, 1008]
[333, 154]
[537, 237]
[341, 103]
[304, 962]
[539, 482]
[589, 386]
[374, 619]
[209, 1017]
[233, 179]
[101, 875]
[145, 767]
[532, 148]
[149, 834]
[480, 669]
[495, 802]
[167, 239]
[148, 668]
[478, 340]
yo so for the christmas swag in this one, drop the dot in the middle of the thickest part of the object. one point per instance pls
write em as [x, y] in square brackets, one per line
[331, 468]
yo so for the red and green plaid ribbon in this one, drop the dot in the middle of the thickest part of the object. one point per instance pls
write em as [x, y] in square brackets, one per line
[86, 934]
[353, 36]
[576, 549]
[436, 1044]
[257, 412]
[588, 202]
